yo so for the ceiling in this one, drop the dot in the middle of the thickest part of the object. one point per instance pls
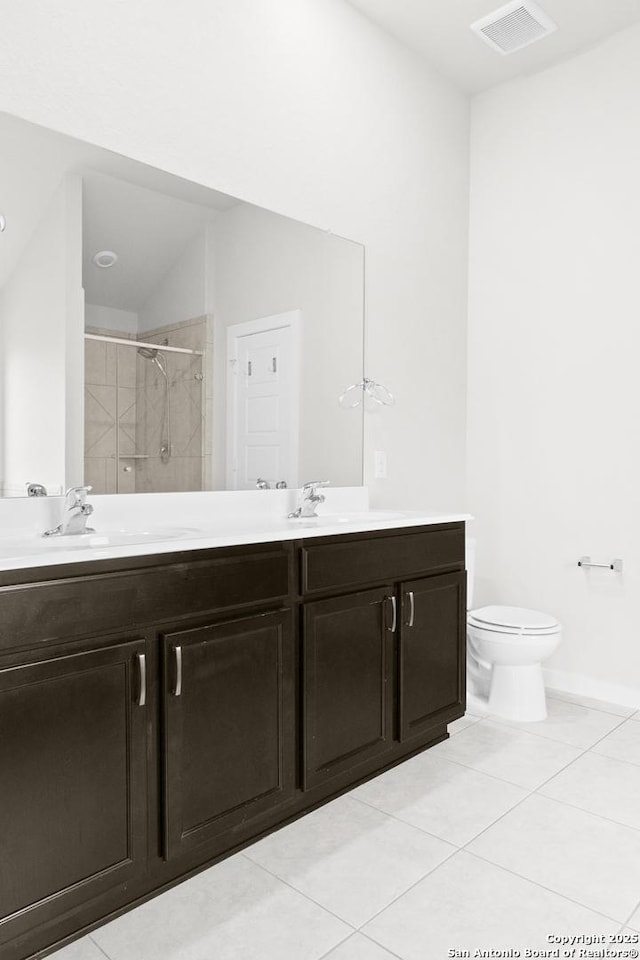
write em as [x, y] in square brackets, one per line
[33, 161]
[148, 230]
[439, 31]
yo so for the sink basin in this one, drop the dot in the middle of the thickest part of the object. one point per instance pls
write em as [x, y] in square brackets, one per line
[115, 538]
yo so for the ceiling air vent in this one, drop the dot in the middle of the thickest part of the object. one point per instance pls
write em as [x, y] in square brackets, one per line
[514, 26]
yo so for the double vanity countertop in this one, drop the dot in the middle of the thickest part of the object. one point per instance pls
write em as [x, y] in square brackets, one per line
[145, 524]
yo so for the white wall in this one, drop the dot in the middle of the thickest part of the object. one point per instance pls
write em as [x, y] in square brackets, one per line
[264, 264]
[110, 318]
[42, 352]
[182, 293]
[306, 108]
[554, 341]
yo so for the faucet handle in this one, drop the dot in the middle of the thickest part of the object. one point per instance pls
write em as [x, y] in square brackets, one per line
[311, 486]
[76, 496]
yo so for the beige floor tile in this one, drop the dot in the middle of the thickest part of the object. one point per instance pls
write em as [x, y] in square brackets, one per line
[233, 911]
[615, 708]
[571, 723]
[468, 904]
[358, 947]
[446, 799]
[578, 855]
[623, 743]
[507, 752]
[600, 785]
[350, 858]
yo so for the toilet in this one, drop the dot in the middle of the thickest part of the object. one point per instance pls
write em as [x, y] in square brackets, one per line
[505, 650]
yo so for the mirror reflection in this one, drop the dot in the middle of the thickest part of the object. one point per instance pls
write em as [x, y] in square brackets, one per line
[161, 336]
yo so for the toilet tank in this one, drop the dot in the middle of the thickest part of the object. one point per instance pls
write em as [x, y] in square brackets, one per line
[470, 563]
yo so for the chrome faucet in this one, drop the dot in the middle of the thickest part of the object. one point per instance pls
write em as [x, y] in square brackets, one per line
[310, 499]
[76, 512]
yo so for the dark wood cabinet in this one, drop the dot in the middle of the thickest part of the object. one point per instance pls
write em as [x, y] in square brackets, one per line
[73, 803]
[229, 750]
[348, 690]
[431, 652]
[278, 675]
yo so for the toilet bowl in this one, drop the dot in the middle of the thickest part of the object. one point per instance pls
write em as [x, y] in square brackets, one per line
[506, 647]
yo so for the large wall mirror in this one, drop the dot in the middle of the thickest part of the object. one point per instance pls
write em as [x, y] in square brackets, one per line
[157, 335]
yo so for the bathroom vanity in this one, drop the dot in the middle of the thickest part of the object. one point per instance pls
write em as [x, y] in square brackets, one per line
[160, 711]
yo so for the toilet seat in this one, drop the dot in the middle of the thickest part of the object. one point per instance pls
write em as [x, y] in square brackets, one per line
[513, 621]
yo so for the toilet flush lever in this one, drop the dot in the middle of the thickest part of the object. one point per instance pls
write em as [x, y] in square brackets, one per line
[615, 565]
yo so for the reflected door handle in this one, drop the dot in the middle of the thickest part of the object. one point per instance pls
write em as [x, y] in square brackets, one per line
[142, 674]
[177, 690]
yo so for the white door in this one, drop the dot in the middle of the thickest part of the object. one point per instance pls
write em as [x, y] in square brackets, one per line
[262, 401]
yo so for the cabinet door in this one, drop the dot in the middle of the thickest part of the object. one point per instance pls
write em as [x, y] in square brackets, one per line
[72, 782]
[348, 666]
[229, 726]
[431, 655]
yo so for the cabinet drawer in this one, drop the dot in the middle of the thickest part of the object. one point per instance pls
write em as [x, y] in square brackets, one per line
[107, 602]
[380, 558]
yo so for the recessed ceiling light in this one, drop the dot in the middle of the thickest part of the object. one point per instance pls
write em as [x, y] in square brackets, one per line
[105, 259]
[3, 223]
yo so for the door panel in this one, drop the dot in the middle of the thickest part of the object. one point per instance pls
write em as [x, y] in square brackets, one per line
[73, 782]
[431, 658]
[230, 751]
[348, 663]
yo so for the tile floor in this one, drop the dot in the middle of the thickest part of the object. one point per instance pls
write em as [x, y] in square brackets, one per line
[498, 838]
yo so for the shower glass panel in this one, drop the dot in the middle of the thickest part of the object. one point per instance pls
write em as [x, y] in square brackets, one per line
[145, 411]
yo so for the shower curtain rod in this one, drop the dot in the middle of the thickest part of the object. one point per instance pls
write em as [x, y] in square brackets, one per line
[142, 343]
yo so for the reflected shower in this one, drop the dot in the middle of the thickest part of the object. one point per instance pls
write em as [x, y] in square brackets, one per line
[159, 360]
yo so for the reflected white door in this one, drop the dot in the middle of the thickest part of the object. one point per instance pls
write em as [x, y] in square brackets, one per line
[262, 401]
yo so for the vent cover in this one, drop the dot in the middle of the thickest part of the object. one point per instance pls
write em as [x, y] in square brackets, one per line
[514, 26]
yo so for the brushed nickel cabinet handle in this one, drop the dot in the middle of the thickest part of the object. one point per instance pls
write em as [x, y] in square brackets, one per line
[178, 688]
[412, 608]
[142, 672]
[394, 615]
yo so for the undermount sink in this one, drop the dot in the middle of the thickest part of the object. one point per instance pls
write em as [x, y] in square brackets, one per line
[116, 538]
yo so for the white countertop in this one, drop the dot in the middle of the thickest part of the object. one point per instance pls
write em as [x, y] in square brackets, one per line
[147, 524]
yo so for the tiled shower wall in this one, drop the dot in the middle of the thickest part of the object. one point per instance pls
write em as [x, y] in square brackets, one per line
[124, 400]
[109, 415]
[186, 467]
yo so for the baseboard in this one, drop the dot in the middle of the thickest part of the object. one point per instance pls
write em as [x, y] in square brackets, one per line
[583, 686]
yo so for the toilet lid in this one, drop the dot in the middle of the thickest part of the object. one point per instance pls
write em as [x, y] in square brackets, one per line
[514, 619]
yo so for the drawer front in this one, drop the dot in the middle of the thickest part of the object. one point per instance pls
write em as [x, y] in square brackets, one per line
[358, 560]
[103, 603]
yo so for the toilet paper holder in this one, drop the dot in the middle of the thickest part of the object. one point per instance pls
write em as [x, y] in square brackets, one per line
[615, 565]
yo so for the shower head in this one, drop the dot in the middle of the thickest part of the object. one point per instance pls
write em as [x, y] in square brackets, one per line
[147, 353]
[150, 353]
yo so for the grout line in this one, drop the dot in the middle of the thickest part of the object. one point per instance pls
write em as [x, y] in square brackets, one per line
[628, 920]
[454, 850]
[405, 823]
[301, 893]
[340, 943]
[541, 886]
[96, 944]
[391, 953]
